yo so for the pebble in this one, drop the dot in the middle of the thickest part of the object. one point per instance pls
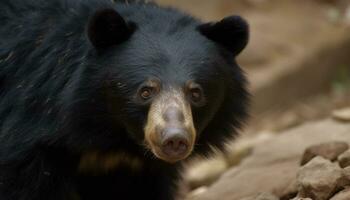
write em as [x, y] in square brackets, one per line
[329, 150]
[318, 179]
[342, 115]
[344, 159]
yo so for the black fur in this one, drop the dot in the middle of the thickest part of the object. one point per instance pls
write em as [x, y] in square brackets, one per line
[231, 32]
[107, 28]
[61, 96]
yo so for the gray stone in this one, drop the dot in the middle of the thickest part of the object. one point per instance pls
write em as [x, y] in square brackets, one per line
[329, 150]
[266, 196]
[262, 196]
[342, 195]
[346, 173]
[344, 159]
[345, 180]
[318, 179]
[298, 198]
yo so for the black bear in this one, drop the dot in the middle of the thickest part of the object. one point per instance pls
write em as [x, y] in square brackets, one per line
[102, 100]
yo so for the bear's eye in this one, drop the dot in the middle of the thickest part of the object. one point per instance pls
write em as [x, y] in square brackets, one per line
[196, 95]
[147, 92]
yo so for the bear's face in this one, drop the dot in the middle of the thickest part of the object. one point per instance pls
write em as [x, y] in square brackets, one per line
[165, 87]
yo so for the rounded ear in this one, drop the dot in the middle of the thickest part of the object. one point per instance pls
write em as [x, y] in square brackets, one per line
[231, 32]
[107, 28]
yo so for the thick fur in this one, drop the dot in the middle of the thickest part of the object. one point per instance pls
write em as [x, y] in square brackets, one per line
[57, 91]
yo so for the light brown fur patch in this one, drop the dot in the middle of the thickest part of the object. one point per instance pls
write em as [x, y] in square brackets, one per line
[171, 98]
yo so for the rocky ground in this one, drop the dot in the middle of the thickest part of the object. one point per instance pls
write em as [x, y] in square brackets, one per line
[311, 161]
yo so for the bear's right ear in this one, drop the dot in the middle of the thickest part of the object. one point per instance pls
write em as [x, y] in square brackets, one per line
[107, 28]
[231, 32]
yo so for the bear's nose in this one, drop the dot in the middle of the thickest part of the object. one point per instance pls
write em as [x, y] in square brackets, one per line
[175, 142]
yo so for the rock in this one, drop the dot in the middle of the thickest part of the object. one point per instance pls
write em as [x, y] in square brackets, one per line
[298, 198]
[273, 164]
[342, 195]
[266, 196]
[329, 150]
[346, 173]
[262, 196]
[197, 192]
[345, 180]
[241, 183]
[318, 179]
[344, 159]
[342, 115]
[203, 173]
[233, 158]
[242, 147]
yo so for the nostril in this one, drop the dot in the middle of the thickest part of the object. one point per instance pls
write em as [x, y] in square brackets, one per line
[174, 136]
[175, 143]
[182, 146]
[170, 144]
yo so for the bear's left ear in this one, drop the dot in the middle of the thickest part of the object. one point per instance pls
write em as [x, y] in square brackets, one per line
[231, 32]
[107, 28]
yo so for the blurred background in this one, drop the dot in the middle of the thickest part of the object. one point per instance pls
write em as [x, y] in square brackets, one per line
[299, 49]
[298, 64]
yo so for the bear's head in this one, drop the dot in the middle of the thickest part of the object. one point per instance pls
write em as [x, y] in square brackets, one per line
[171, 82]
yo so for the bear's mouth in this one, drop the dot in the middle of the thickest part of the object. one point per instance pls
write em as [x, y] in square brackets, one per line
[169, 131]
[171, 154]
[159, 153]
